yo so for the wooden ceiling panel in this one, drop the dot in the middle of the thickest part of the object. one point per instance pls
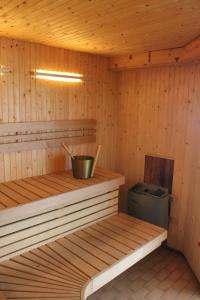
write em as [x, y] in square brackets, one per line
[102, 26]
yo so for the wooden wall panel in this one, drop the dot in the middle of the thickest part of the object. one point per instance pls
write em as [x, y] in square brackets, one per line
[23, 98]
[159, 113]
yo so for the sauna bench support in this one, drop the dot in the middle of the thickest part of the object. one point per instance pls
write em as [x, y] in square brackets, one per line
[66, 244]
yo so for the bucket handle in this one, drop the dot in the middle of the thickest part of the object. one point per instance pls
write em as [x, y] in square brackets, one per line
[67, 150]
[95, 160]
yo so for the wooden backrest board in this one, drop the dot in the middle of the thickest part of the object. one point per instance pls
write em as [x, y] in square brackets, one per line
[47, 134]
[159, 171]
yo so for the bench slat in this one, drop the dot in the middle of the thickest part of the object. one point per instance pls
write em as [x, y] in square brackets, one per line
[18, 198]
[91, 249]
[115, 253]
[27, 184]
[6, 201]
[36, 184]
[115, 236]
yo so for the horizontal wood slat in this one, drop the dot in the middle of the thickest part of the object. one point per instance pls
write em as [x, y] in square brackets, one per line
[76, 265]
[38, 135]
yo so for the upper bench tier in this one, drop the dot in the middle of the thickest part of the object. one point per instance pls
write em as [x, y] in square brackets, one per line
[57, 186]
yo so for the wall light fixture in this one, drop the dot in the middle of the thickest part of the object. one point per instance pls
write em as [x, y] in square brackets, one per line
[58, 76]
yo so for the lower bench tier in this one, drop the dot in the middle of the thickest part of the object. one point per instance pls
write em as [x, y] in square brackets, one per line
[76, 265]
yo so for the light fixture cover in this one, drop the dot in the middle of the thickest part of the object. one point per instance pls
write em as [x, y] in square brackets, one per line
[58, 76]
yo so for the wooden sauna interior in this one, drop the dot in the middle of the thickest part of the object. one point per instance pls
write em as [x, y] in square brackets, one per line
[140, 62]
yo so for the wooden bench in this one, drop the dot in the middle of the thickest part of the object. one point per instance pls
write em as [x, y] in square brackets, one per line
[68, 245]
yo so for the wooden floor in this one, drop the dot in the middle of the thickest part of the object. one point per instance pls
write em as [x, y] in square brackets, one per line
[23, 191]
[75, 266]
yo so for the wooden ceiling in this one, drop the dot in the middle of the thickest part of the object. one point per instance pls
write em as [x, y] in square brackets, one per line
[107, 27]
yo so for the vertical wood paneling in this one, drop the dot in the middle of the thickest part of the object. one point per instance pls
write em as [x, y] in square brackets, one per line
[159, 113]
[23, 98]
[156, 112]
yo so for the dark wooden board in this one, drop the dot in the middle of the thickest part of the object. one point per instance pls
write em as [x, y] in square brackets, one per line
[159, 171]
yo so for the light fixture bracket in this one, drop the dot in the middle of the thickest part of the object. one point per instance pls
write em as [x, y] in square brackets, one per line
[4, 70]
